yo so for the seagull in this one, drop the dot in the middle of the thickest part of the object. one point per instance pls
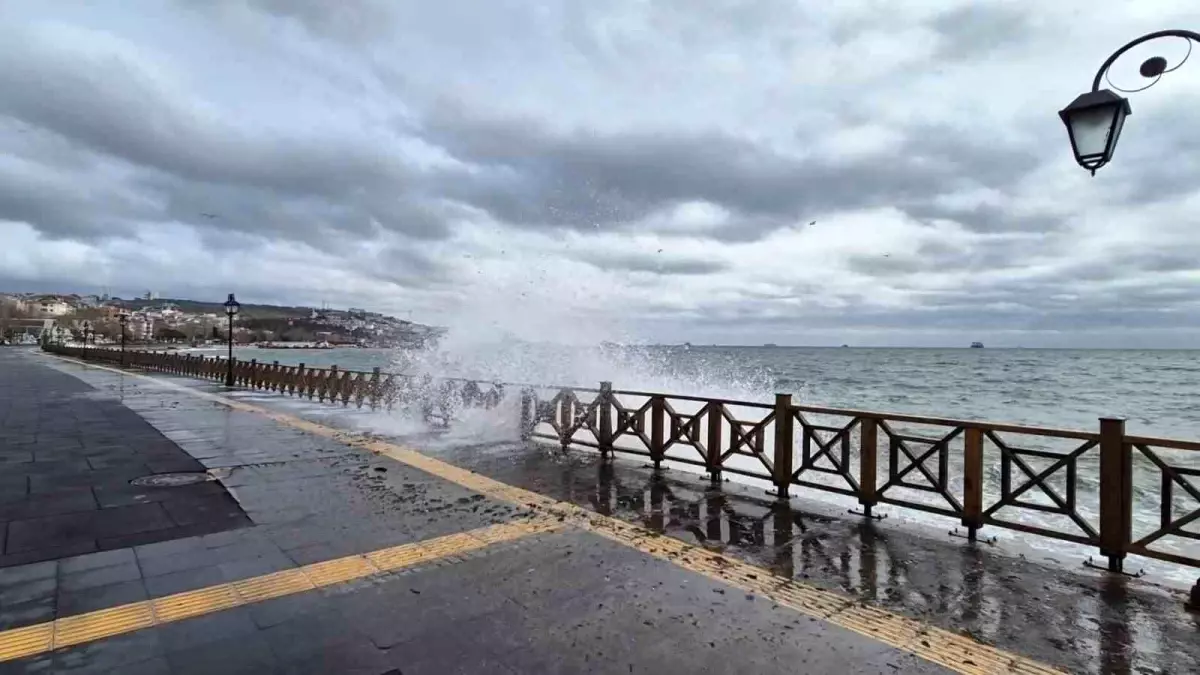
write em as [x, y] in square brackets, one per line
[209, 215]
[813, 223]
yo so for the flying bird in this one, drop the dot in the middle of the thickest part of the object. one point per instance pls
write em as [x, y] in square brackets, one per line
[209, 215]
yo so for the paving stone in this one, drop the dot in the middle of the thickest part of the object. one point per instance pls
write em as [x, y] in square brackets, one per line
[100, 597]
[110, 654]
[243, 653]
[35, 506]
[186, 580]
[130, 520]
[357, 656]
[25, 573]
[190, 510]
[280, 610]
[309, 634]
[199, 631]
[173, 547]
[28, 613]
[96, 560]
[101, 576]
[158, 665]
[29, 591]
[182, 531]
[54, 553]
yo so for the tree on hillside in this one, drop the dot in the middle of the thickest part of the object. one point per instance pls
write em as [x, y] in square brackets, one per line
[170, 335]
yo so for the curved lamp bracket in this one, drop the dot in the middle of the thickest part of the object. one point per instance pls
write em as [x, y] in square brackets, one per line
[1154, 67]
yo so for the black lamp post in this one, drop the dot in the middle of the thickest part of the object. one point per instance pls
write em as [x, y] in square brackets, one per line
[1094, 120]
[123, 319]
[231, 309]
[87, 326]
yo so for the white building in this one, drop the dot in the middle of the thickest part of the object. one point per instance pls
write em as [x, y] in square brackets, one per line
[52, 305]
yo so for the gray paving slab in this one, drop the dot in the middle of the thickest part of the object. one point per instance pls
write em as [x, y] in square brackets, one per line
[69, 451]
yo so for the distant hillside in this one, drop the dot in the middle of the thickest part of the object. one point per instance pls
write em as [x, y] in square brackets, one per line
[197, 307]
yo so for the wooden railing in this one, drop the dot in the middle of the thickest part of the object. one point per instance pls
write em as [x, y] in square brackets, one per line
[437, 398]
[1010, 476]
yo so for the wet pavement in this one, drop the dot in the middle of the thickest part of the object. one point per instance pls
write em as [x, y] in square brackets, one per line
[561, 601]
[67, 457]
[1049, 608]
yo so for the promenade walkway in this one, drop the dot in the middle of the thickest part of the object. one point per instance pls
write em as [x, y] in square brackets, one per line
[316, 550]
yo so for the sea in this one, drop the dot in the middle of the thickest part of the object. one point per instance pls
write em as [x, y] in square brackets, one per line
[1156, 391]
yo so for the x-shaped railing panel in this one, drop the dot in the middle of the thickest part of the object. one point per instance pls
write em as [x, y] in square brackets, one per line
[1172, 476]
[1063, 505]
[684, 428]
[839, 464]
[746, 438]
[899, 450]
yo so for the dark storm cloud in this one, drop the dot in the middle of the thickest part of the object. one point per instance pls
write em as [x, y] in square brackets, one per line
[656, 263]
[188, 165]
[1161, 154]
[113, 105]
[60, 210]
[986, 218]
[976, 30]
[314, 219]
[538, 176]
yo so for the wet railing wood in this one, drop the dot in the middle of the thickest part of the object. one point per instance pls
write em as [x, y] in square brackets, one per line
[1017, 477]
[438, 399]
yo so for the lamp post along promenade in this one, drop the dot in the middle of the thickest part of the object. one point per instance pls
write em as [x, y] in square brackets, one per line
[231, 310]
[1094, 120]
[123, 319]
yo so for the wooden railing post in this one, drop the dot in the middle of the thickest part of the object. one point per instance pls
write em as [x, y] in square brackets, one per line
[972, 517]
[565, 419]
[375, 388]
[868, 457]
[713, 459]
[604, 438]
[1116, 493]
[528, 405]
[784, 444]
[658, 414]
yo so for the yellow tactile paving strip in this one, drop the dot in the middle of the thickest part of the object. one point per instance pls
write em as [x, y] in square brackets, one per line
[955, 652]
[75, 630]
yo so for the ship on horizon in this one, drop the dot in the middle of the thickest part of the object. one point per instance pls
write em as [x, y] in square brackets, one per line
[976, 345]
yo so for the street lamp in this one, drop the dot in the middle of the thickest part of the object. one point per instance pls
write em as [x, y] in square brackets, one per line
[86, 328]
[1094, 120]
[231, 309]
[123, 319]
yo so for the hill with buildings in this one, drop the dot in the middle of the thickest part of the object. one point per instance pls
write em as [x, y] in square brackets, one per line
[25, 317]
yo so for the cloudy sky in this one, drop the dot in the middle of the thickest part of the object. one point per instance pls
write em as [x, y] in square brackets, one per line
[729, 171]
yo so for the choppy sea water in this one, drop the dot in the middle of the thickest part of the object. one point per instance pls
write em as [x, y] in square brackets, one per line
[1157, 391]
